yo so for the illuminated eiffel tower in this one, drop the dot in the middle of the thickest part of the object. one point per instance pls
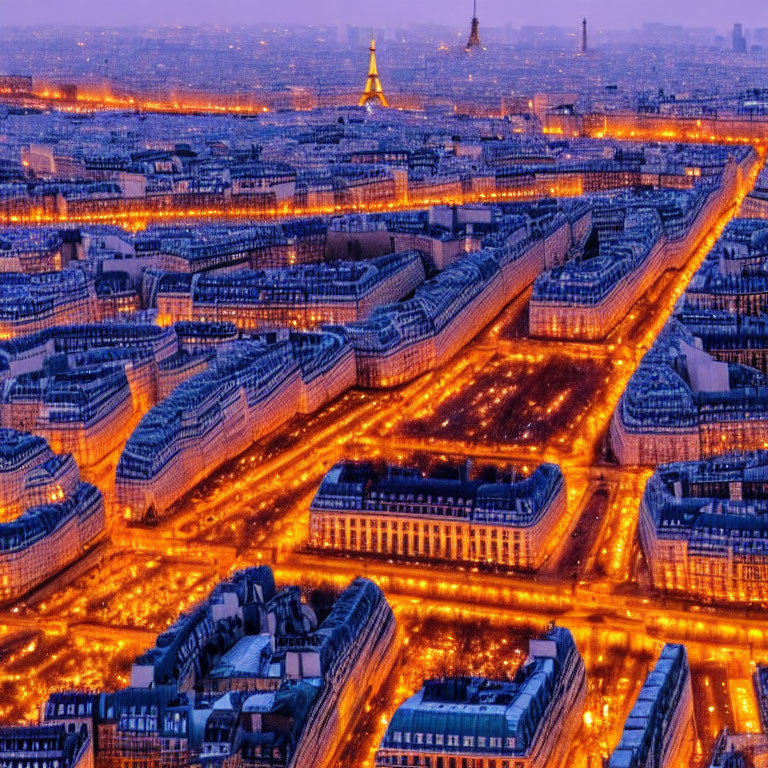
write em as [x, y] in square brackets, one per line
[474, 33]
[373, 90]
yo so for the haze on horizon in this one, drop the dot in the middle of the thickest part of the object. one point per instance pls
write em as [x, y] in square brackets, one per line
[603, 14]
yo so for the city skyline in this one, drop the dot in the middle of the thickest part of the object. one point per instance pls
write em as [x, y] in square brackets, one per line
[602, 14]
[361, 421]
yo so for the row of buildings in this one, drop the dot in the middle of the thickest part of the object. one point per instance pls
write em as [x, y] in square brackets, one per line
[256, 385]
[636, 237]
[254, 676]
[81, 386]
[250, 387]
[697, 409]
[701, 389]
[61, 164]
[660, 729]
[702, 525]
[397, 512]
[207, 389]
[294, 297]
[48, 516]
[103, 250]
[250, 677]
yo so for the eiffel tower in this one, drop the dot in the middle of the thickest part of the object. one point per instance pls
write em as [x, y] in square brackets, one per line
[373, 90]
[474, 33]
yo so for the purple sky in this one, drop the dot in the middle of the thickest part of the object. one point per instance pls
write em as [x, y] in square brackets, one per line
[602, 13]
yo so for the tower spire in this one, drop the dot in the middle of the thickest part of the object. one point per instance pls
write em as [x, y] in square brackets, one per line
[373, 90]
[584, 36]
[474, 32]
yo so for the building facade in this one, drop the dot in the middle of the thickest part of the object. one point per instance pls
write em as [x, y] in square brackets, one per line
[682, 404]
[639, 234]
[703, 528]
[525, 723]
[79, 386]
[301, 297]
[397, 512]
[45, 746]
[659, 731]
[50, 517]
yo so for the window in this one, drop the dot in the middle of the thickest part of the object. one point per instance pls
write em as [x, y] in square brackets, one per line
[469, 741]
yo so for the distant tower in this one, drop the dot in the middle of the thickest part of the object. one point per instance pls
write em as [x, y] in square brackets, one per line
[373, 90]
[739, 40]
[474, 32]
[584, 36]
